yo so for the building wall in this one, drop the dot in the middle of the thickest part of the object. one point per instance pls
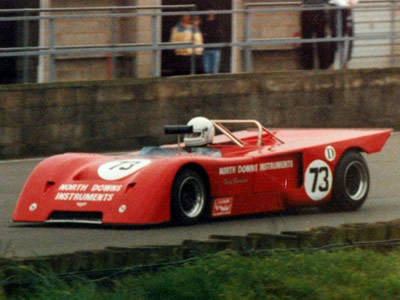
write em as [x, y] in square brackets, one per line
[381, 52]
[143, 63]
[125, 115]
[139, 30]
[85, 32]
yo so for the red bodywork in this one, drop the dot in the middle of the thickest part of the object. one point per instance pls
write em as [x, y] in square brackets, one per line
[243, 180]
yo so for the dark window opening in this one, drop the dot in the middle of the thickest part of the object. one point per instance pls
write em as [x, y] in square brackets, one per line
[18, 69]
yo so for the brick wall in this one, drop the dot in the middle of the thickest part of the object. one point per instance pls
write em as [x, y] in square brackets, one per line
[124, 115]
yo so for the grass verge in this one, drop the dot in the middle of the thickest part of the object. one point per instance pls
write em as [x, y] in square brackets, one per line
[350, 274]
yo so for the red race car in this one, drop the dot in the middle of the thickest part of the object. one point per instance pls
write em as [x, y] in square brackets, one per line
[234, 173]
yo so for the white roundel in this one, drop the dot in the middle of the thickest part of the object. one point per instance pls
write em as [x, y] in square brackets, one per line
[318, 180]
[330, 153]
[117, 169]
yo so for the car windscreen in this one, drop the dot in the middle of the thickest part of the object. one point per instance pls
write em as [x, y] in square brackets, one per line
[161, 151]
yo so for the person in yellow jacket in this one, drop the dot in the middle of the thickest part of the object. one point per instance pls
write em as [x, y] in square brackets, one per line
[187, 31]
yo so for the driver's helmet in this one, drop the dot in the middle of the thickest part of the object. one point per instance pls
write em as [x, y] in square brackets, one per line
[203, 132]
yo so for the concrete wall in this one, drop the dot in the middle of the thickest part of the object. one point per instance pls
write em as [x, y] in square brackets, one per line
[125, 115]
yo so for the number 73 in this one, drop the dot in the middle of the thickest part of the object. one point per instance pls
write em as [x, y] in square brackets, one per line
[317, 173]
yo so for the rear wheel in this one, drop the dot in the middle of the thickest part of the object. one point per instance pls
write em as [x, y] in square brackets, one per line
[189, 202]
[350, 184]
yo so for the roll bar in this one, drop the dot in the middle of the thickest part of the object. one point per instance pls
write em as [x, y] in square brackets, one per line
[218, 124]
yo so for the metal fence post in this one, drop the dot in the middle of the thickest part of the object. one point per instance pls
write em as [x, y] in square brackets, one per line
[339, 30]
[392, 32]
[247, 49]
[155, 52]
[113, 40]
[26, 44]
[52, 55]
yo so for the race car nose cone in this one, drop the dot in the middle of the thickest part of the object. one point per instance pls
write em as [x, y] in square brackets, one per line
[122, 209]
[33, 207]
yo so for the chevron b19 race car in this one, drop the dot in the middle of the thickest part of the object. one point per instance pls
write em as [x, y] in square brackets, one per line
[246, 171]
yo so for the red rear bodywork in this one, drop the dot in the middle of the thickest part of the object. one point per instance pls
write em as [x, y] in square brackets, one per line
[136, 188]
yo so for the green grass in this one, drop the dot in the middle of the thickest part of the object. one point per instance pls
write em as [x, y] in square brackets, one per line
[354, 274]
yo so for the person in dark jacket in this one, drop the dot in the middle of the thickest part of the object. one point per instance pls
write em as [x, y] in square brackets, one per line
[345, 15]
[211, 34]
[314, 24]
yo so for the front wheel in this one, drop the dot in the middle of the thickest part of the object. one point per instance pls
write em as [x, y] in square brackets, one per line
[189, 201]
[350, 184]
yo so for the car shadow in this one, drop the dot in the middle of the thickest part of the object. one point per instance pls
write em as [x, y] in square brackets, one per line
[288, 213]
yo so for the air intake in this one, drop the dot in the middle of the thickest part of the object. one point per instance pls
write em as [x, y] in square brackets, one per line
[75, 217]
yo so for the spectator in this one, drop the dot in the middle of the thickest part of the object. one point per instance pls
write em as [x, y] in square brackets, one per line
[198, 40]
[347, 27]
[212, 34]
[185, 32]
[314, 24]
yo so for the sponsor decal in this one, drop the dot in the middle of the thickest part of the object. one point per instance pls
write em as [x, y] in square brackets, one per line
[222, 207]
[84, 197]
[84, 193]
[254, 168]
[318, 180]
[118, 169]
[330, 153]
[247, 169]
[236, 180]
[277, 165]
[106, 188]
[73, 187]
[227, 170]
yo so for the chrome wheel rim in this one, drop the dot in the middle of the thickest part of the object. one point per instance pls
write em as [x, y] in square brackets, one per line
[356, 180]
[191, 197]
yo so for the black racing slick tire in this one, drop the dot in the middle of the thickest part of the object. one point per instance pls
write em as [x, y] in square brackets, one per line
[350, 184]
[190, 198]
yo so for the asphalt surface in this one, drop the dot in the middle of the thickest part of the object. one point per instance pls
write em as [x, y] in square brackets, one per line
[383, 204]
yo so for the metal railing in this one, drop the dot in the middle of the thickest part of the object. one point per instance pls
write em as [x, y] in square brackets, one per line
[246, 42]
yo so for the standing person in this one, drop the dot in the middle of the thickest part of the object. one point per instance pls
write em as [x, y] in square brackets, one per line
[212, 34]
[314, 24]
[182, 33]
[345, 13]
[186, 32]
[198, 40]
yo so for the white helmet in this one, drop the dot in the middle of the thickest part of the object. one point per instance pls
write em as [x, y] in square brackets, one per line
[203, 132]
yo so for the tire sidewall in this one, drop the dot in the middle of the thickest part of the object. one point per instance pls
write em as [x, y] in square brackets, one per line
[177, 214]
[341, 200]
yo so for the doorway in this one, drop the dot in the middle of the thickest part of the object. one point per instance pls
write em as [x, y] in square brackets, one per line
[225, 21]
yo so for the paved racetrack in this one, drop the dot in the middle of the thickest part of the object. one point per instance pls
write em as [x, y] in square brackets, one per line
[383, 204]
